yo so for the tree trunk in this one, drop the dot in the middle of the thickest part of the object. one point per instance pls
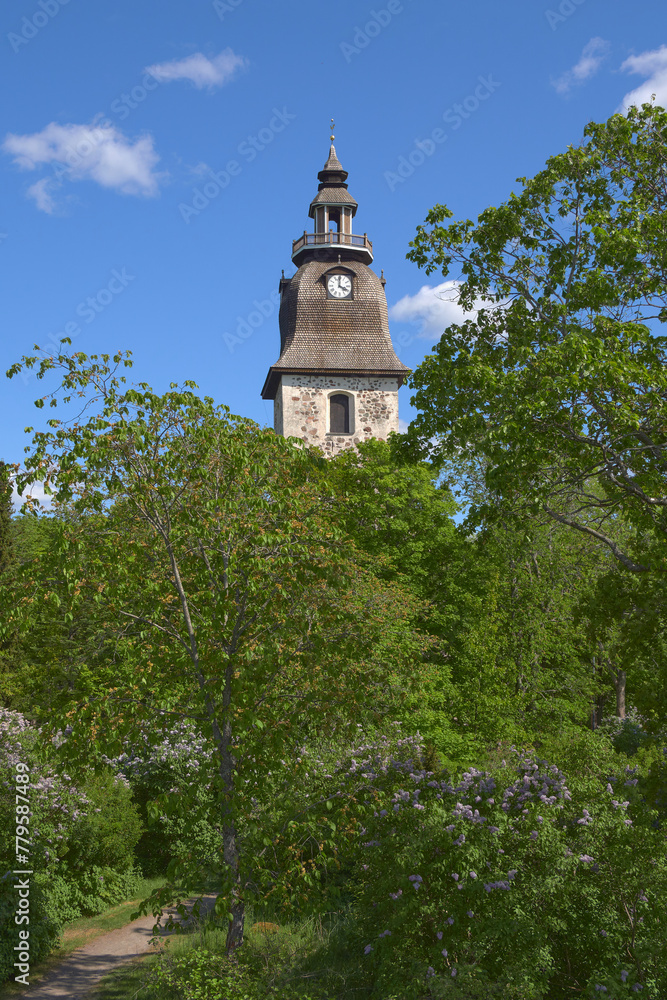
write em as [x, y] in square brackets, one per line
[619, 684]
[223, 737]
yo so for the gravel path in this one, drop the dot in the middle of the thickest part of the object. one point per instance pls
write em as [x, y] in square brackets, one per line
[83, 969]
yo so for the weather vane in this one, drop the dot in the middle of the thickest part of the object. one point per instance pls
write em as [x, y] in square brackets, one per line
[332, 136]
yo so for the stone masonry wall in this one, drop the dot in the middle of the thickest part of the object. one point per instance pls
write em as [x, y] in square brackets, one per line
[301, 409]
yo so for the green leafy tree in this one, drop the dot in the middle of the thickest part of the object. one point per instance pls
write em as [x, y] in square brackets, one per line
[232, 599]
[559, 381]
[6, 533]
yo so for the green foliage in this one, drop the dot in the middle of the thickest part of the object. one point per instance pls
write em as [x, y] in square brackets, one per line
[205, 976]
[513, 878]
[111, 829]
[172, 776]
[559, 382]
[199, 542]
[7, 554]
[81, 836]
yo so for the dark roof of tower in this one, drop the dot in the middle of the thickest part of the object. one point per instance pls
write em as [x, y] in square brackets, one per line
[332, 166]
[322, 335]
[332, 189]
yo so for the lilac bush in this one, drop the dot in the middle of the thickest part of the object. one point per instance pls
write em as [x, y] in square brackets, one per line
[516, 876]
[81, 839]
[172, 774]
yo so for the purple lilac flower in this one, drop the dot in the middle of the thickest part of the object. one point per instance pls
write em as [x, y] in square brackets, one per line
[450, 920]
[586, 858]
[368, 949]
[471, 914]
[455, 876]
[454, 973]
[624, 974]
[439, 935]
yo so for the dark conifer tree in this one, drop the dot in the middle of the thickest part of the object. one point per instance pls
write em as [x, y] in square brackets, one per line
[6, 533]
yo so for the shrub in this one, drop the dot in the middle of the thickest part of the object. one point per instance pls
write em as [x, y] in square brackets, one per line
[81, 841]
[109, 832]
[172, 779]
[514, 876]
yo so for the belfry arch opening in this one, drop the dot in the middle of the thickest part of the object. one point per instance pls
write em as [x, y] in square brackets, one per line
[334, 220]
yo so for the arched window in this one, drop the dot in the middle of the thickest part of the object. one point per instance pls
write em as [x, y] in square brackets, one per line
[339, 413]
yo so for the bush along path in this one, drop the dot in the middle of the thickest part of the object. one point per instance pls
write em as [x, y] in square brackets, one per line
[86, 966]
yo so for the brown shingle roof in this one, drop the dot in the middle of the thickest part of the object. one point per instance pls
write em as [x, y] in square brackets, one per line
[324, 335]
[333, 196]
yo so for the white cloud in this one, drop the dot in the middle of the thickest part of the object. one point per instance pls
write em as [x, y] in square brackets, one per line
[200, 70]
[403, 425]
[85, 152]
[433, 308]
[591, 59]
[652, 65]
[41, 192]
[36, 491]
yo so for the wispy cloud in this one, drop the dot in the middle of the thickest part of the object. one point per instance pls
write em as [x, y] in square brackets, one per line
[433, 308]
[100, 153]
[592, 56]
[200, 70]
[652, 65]
[42, 196]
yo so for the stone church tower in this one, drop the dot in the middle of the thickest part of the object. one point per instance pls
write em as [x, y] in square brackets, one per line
[337, 378]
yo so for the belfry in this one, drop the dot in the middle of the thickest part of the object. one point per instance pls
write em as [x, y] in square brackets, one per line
[336, 381]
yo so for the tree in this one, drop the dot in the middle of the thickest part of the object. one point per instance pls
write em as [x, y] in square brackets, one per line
[559, 381]
[232, 600]
[6, 535]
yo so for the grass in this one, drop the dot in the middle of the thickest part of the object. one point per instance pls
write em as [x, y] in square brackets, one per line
[83, 931]
[302, 960]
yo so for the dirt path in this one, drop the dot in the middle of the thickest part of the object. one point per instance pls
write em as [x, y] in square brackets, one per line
[83, 969]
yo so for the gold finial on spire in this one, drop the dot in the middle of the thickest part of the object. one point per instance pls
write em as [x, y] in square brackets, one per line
[332, 136]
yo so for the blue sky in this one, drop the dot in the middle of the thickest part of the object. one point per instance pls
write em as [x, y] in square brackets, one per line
[103, 233]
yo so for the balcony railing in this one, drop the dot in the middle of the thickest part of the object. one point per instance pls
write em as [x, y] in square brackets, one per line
[332, 238]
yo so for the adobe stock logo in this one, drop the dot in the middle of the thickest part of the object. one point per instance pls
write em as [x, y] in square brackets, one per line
[454, 117]
[246, 325]
[362, 37]
[31, 26]
[217, 181]
[87, 310]
[566, 9]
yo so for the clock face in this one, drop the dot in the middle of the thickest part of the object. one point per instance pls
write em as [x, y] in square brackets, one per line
[339, 286]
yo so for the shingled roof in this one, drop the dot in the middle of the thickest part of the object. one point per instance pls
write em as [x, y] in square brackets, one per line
[327, 336]
[332, 189]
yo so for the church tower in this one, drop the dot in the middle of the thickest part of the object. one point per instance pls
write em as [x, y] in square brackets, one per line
[336, 381]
